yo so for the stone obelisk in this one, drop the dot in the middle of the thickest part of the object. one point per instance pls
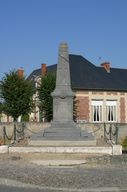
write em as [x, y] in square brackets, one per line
[63, 126]
[63, 95]
[63, 130]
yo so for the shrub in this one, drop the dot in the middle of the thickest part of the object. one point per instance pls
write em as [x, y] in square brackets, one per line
[124, 144]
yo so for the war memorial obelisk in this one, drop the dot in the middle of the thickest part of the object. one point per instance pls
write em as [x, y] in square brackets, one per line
[63, 130]
[63, 95]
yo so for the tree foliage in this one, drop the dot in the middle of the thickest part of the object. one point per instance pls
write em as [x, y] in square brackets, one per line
[1, 110]
[16, 94]
[44, 92]
[1, 107]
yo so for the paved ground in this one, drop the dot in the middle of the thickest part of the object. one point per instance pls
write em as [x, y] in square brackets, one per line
[21, 189]
[99, 172]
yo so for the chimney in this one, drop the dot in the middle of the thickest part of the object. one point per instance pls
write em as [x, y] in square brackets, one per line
[106, 66]
[20, 73]
[43, 69]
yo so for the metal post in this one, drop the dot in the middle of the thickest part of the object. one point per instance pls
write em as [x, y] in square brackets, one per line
[14, 132]
[4, 135]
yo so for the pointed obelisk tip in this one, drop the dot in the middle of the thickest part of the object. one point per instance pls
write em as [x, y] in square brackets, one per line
[63, 44]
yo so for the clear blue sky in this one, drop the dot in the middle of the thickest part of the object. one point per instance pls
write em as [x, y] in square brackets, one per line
[31, 30]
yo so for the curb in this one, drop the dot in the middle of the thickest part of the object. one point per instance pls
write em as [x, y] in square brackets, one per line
[4, 149]
[17, 184]
[60, 150]
[14, 183]
[58, 162]
[113, 150]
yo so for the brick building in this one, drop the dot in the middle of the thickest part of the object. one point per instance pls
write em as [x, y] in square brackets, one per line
[101, 91]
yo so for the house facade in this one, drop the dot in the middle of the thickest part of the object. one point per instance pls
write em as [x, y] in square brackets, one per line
[101, 91]
[102, 106]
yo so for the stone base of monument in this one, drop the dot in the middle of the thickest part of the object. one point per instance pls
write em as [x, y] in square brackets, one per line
[61, 143]
[62, 137]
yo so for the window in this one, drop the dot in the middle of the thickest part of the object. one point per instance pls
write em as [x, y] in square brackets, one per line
[96, 110]
[111, 111]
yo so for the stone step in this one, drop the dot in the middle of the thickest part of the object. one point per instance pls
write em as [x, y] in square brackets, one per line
[60, 142]
[64, 132]
[112, 150]
[63, 125]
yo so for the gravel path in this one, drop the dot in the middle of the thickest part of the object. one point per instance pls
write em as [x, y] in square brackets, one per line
[99, 171]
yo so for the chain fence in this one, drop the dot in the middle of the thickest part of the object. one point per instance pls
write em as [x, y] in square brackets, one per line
[17, 134]
[19, 130]
[111, 133]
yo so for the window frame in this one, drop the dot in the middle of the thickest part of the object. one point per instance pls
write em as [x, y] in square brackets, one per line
[111, 111]
[97, 111]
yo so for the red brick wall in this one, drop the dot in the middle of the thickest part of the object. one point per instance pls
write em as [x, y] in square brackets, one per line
[83, 108]
[122, 110]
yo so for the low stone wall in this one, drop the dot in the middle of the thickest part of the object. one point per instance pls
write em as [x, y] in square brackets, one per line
[29, 128]
[97, 129]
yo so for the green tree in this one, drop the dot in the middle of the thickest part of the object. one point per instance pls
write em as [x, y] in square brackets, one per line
[1, 107]
[44, 93]
[16, 93]
[1, 110]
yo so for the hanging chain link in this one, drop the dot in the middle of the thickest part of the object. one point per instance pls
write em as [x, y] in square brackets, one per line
[111, 133]
[15, 133]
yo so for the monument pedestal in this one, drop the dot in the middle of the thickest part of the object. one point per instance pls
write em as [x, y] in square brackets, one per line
[62, 136]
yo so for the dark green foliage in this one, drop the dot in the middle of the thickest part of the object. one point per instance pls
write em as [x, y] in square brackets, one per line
[16, 94]
[1, 110]
[25, 118]
[124, 144]
[44, 91]
[1, 107]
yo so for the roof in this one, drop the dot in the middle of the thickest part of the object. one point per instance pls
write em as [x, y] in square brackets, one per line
[87, 76]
